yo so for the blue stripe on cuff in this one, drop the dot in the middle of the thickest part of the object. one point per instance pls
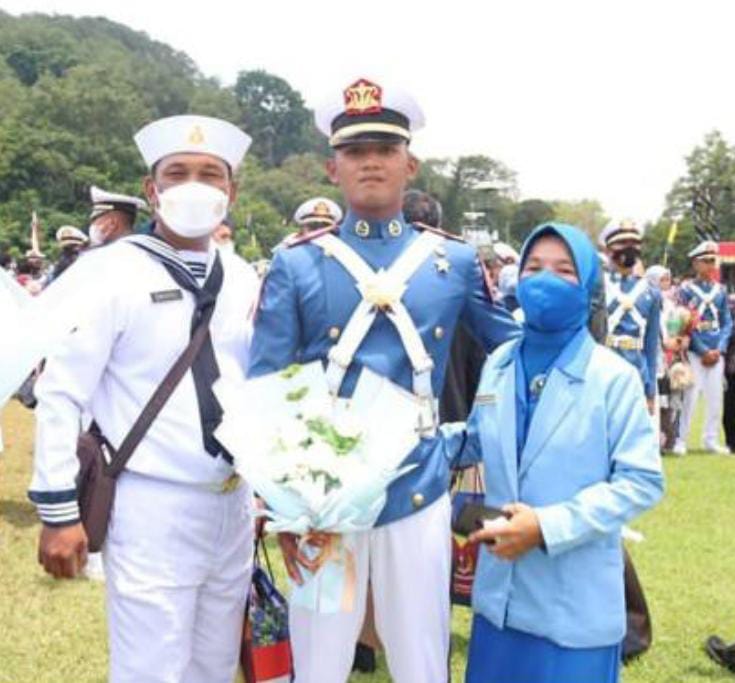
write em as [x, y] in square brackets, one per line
[53, 497]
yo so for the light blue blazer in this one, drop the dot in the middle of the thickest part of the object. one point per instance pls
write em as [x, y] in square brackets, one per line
[590, 464]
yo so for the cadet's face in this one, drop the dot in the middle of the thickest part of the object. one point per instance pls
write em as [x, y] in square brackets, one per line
[550, 253]
[705, 267]
[177, 169]
[373, 176]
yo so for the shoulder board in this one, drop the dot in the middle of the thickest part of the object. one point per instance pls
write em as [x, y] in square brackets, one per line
[296, 240]
[437, 231]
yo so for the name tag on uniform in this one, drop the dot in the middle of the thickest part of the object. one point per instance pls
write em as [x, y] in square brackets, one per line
[486, 399]
[167, 295]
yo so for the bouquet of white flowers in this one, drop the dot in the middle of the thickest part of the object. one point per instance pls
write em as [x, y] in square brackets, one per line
[322, 465]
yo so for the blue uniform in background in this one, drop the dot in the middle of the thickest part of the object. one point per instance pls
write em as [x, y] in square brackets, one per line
[634, 312]
[309, 297]
[708, 301]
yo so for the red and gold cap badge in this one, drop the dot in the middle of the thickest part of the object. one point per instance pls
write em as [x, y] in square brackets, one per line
[363, 97]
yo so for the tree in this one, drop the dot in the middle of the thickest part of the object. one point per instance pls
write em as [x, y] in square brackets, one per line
[587, 214]
[526, 216]
[470, 183]
[275, 116]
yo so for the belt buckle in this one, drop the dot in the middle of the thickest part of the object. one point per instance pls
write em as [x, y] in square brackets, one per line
[232, 483]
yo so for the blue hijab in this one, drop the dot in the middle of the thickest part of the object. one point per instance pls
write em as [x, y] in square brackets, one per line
[555, 311]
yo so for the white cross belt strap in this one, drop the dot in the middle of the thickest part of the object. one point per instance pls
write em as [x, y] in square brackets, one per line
[381, 290]
[626, 303]
[707, 303]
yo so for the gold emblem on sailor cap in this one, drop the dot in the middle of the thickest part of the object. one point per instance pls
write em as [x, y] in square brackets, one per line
[321, 209]
[196, 136]
[362, 228]
[363, 97]
[395, 228]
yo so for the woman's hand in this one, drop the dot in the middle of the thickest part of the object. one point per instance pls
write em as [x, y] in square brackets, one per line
[511, 538]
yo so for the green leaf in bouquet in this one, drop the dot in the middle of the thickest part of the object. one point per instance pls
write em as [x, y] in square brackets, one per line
[342, 445]
[291, 371]
[297, 394]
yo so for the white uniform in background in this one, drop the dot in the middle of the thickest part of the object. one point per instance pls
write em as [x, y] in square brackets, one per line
[179, 549]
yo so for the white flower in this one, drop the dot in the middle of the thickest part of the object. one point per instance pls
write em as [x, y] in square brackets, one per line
[347, 424]
[292, 434]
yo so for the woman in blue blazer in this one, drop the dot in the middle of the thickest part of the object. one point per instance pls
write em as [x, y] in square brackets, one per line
[570, 454]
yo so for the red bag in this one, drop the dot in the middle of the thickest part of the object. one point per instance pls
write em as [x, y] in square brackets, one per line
[464, 553]
[265, 655]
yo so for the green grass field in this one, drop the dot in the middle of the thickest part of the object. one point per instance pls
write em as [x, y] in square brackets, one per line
[54, 632]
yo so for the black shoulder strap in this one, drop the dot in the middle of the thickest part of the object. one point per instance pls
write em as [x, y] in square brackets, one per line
[160, 396]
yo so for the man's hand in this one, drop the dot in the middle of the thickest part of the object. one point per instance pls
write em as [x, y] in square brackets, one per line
[710, 358]
[514, 537]
[651, 405]
[293, 557]
[63, 550]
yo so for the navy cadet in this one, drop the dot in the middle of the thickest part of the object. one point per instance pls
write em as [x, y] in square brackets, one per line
[317, 213]
[179, 547]
[113, 215]
[633, 307]
[708, 300]
[381, 293]
[72, 242]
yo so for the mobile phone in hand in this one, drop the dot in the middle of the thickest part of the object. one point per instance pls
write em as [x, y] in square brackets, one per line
[472, 516]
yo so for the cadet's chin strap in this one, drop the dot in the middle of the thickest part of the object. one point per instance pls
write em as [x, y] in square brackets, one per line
[382, 291]
[707, 302]
[626, 304]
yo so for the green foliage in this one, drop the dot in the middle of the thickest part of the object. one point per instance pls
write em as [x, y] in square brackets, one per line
[526, 216]
[587, 214]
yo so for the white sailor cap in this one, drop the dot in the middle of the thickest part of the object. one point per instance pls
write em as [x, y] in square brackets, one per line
[192, 134]
[706, 249]
[317, 211]
[68, 235]
[619, 231]
[367, 111]
[103, 202]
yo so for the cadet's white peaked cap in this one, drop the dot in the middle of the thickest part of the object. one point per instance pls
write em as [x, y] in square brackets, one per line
[104, 201]
[317, 210]
[192, 134]
[68, 234]
[619, 231]
[706, 249]
[367, 111]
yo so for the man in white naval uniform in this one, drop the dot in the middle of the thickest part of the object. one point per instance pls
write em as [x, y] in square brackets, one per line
[179, 545]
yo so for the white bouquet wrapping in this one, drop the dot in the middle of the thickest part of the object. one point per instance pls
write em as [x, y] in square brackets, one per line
[322, 465]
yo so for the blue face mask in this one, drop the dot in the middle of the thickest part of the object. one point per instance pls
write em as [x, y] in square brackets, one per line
[552, 304]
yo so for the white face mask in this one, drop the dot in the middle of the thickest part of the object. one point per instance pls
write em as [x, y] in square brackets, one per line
[192, 209]
[227, 247]
[96, 236]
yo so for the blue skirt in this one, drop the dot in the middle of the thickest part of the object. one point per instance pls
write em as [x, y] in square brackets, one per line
[510, 656]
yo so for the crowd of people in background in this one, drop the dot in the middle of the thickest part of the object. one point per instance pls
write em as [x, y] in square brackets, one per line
[674, 328]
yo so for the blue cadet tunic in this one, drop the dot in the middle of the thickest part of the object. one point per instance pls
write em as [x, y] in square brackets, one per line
[709, 300]
[309, 297]
[634, 311]
[584, 456]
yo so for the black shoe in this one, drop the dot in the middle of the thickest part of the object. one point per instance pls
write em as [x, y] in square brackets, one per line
[364, 659]
[721, 652]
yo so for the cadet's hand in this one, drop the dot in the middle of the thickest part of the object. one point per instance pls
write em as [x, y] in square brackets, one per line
[651, 405]
[293, 557]
[511, 538]
[63, 550]
[710, 358]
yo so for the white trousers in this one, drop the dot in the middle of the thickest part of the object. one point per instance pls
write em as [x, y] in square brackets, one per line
[709, 381]
[178, 561]
[408, 564]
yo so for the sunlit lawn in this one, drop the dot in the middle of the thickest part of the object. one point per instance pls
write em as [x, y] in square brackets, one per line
[54, 632]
